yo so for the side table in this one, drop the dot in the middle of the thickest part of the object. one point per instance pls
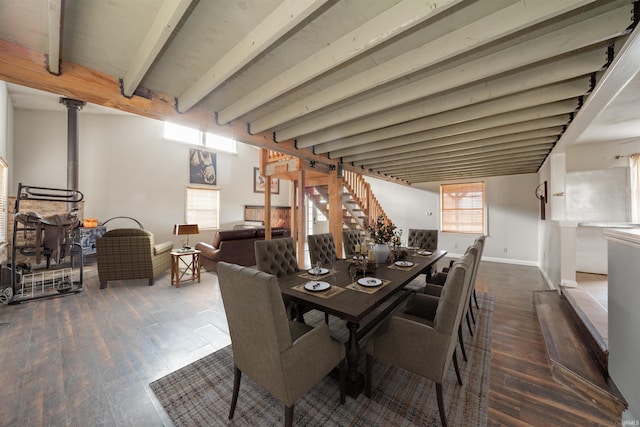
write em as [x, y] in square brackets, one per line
[185, 263]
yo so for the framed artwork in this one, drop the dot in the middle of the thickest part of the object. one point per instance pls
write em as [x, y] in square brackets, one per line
[202, 167]
[258, 183]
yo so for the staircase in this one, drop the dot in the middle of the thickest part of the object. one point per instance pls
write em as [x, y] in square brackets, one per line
[577, 354]
[359, 204]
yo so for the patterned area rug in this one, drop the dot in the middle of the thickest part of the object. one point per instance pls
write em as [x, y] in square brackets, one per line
[199, 394]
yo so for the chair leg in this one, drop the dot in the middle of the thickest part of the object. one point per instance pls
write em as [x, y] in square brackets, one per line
[103, 285]
[343, 380]
[455, 366]
[464, 353]
[469, 324]
[288, 416]
[471, 311]
[151, 282]
[326, 318]
[368, 374]
[237, 374]
[475, 298]
[443, 417]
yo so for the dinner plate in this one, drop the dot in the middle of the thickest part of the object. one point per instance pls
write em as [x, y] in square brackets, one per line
[317, 286]
[404, 263]
[425, 253]
[321, 270]
[369, 281]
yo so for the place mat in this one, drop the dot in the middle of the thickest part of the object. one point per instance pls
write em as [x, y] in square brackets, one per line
[333, 290]
[307, 275]
[367, 289]
[397, 267]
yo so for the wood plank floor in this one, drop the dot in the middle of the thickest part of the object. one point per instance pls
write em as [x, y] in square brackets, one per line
[87, 359]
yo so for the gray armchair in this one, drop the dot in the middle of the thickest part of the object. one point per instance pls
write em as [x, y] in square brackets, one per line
[131, 253]
[285, 358]
[322, 249]
[423, 339]
[351, 240]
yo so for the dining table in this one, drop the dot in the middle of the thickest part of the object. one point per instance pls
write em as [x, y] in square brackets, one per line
[363, 303]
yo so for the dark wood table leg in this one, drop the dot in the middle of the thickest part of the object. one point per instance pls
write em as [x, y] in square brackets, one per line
[355, 380]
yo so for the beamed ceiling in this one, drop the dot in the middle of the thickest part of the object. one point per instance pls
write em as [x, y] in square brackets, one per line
[414, 91]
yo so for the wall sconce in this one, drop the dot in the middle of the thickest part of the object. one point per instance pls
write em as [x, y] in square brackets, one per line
[185, 229]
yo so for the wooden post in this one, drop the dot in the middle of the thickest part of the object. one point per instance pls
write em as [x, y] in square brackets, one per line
[335, 210]
[267, 193]
[300, 222]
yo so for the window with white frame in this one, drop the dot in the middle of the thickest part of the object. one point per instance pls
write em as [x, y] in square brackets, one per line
[462, 208]
[192, 136]
[203, 207]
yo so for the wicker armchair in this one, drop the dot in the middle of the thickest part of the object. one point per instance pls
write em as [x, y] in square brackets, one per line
[130, 253]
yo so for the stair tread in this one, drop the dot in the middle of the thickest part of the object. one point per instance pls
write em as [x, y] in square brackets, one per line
[565, 345]
[591, 313]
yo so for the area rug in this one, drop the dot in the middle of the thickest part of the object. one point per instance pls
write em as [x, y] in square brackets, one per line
[199, 394]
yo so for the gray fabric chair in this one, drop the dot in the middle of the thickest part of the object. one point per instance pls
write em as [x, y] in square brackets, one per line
[422, 340]
[351, 239]
[322, 249]
[436, 290]
[424, 239]
[277, 256]
[286, 358]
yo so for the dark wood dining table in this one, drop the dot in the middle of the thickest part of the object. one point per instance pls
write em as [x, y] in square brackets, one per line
[355, 307]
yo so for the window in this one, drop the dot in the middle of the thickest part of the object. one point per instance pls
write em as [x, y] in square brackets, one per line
[191, 136]
[203, 206]
[462, 208]
[634, 175]
[4, 178]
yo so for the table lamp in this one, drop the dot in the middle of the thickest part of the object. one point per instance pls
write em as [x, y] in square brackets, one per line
[185, 229]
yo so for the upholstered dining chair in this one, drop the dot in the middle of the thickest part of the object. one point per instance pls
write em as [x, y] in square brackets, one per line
[423, 239]
[351, 239]
[436, 290]
[322, 249]
[422, 340]
[278, 257]
[286, 358]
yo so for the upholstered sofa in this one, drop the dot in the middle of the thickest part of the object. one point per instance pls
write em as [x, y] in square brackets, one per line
[131, 253]
[234, 246]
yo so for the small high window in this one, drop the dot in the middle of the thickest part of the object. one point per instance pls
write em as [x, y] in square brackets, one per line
[192, 136]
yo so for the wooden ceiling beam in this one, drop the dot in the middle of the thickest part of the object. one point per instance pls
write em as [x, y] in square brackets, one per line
[515, 128]
[55, 36]
[164, 24]
[551, 95]
[579, 65]
[282, 20]
[562, 41]
[480, 31]
[25, 67]
[477, 125]
[394, 21]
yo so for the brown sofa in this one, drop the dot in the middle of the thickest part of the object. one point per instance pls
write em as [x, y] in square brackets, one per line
[235, 246]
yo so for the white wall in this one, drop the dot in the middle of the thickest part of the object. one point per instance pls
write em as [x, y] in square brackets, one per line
[512, 215]
[126, 168]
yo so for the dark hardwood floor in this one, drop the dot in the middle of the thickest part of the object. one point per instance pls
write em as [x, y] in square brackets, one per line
[87, 359]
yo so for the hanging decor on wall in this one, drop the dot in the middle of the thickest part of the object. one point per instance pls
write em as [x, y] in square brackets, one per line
[202, 167]
[541, 194]
[258, 183]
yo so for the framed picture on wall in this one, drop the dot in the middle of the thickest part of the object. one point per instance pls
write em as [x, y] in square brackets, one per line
[258, 183]
[202, 167]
